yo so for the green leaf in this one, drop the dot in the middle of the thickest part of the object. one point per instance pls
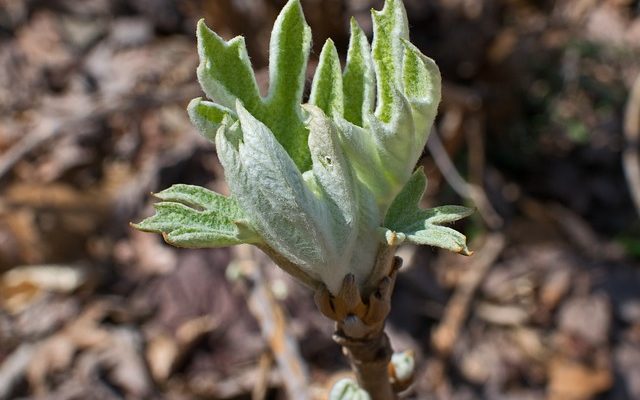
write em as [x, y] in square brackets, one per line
[225, 72]
[271, 191]
[395, 139]
[389, 27]
[333, 175]
[352, 211]
[359, 77]
[289, 51]
[336, 185]
[225, 75]
[364, 155]
[422, 87]
[395, 145]
[421, 226]
[326, 90]
[445, 214]
[440, 236]
[192, 216]
[408, 93]
[207, 116]
[405, 209]
[201, 198]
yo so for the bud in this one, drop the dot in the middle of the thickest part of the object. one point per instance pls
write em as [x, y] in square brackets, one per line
[322, 187]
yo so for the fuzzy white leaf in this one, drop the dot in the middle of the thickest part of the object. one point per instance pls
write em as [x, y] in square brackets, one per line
[271, 191]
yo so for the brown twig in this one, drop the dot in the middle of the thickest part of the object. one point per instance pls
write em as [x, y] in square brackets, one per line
[265, 364]
[630, 156]
[370, 360]
[360, 328]
[14, 367]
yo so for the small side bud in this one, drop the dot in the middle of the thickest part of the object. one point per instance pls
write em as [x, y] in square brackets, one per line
[234, 272]
[346, 389]
[394, 238]
[401, 370]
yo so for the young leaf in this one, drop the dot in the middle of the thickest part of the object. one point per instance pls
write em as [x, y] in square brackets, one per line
[421, 226]
[225, 72]
[271, 191]
[404, 211]
[389, 27]
[352, 209]
[360, 147]
[359, 77]
[192, 216]
[394, 142]
[202, 198]
[326, 90]
[332, 173]
[289, 50]
[422, 87]
[225, 75]
[207, 116]
[337, 186]
[440, 236]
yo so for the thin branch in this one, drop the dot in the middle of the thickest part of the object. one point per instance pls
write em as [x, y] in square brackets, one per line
[630, 156]
[369, 360]
[14, 368]
[261, 386]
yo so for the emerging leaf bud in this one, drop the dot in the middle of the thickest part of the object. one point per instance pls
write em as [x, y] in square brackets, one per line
[326, 187]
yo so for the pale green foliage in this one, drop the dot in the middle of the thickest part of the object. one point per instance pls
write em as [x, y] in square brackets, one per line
[326, 91]
[271, 191]
[346, 389]
[423, 226]
[314, 184]
[192, 216]
[359, 77]
[207, 116]
[390, 26]
[226, 75]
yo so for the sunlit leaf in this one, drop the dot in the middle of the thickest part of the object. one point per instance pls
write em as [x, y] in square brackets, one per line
[192, 216]
[422, 226]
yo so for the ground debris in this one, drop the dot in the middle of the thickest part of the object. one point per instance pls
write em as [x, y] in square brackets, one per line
[92, 119]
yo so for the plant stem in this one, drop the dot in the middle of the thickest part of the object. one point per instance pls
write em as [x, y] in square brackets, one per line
[360, 323]
[369, 359]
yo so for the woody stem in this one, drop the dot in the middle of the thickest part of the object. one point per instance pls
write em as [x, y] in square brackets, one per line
[369, 359]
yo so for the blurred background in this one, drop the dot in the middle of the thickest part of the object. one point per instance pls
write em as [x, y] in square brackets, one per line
[537, 129]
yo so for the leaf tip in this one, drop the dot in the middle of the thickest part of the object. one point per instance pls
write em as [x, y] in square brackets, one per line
[193, 104]
[200, 25]
[165, 237]
[466, 252]
[353, 23]
[139, 226]
[394, 238]
[293, 9]
[203, 30]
